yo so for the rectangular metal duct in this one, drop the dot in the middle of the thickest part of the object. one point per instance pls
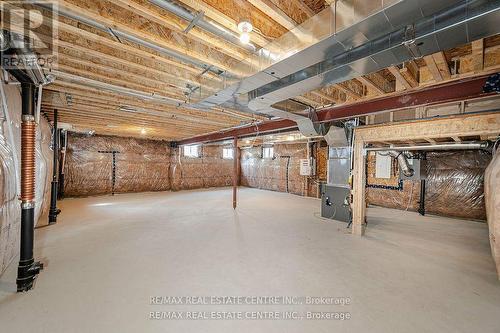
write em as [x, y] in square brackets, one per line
[351, 39]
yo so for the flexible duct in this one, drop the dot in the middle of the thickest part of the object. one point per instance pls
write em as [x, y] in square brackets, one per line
[403, 162]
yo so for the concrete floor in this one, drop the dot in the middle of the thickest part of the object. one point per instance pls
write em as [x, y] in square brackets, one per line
[108, 255]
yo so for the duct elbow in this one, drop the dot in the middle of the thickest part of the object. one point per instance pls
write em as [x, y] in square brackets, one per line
[403, 163]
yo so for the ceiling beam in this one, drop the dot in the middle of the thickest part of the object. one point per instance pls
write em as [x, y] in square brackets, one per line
[113, 23]
[304, 8]
[372, 85]
[222, 19]
[433, 68]
[478, 55]
[274, 12]
[445, 92]
[399, 77]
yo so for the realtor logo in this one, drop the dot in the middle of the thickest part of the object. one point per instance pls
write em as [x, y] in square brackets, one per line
[28, 25]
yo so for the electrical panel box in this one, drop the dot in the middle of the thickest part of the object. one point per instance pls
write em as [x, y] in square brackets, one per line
[335, 203]
[307, 167]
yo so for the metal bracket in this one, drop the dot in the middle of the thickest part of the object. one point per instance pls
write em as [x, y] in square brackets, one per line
[410, 42]
[194, 21]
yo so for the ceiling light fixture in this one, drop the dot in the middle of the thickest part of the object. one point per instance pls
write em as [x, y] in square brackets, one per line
[245, 28]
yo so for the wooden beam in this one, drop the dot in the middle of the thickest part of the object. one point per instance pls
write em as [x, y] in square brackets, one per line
[478, 55]
[177, 24]
[354, 95]
[409, 76]
[304, 7]
[222, 19]
[358, 190]
[113, 23]
[399, 77]
[433, 68]
[369, 83]
[465, 125]
[324, 96]
[274, 12]
[442, 64]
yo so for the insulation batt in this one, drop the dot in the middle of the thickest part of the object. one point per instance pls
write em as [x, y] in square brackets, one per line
[10, 214]
[492, 194]
[454, 185]
[271, 174]
[141, 166]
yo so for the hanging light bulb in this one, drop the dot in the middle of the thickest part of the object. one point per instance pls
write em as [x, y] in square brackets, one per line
[143, 131]
[245, 38]
[245, 28]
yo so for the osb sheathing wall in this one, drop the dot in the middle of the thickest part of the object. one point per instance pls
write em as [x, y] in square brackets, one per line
[10, 213]
[141, 165]
[271, 174]
[454, 185]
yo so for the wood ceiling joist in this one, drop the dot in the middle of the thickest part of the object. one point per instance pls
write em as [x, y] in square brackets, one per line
[142, 113]
[433, 68]
[150, 37]
[175, 23]
[478, 55]
[274, 12]
[92, 93]
[119, 74]
[88, 52]
[222, 19]
[369, 83]
[140, 87]
[349, 92]
[399, 77]
[303, 7]
[108, 116]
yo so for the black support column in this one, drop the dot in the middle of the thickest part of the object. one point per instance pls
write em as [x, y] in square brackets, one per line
[28, 269]
[53, 211]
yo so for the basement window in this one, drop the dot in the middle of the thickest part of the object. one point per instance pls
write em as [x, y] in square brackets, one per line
[268, 152]
[192, 151]
[228, 153]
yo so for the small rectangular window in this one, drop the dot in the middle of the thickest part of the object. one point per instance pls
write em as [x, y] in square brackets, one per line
[192, 151]
[228, 153]
[268, 152]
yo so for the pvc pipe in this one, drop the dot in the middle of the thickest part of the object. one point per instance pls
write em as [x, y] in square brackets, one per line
[445, 146]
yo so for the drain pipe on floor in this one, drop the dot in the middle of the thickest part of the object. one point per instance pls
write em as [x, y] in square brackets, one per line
[53, 211]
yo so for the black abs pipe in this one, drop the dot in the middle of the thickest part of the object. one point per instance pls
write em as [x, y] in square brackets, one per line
[28, 269]
[421, 208]
[53, 211]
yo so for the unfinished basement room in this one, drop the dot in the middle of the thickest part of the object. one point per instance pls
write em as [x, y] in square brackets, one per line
[250, 166]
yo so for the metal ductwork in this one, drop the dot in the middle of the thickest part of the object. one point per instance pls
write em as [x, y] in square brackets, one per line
[15, 46]
[123, 35]
[403, 162]
[200, 21]
[354, 41]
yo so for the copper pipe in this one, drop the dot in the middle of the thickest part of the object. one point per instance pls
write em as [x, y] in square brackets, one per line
[28, 134]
